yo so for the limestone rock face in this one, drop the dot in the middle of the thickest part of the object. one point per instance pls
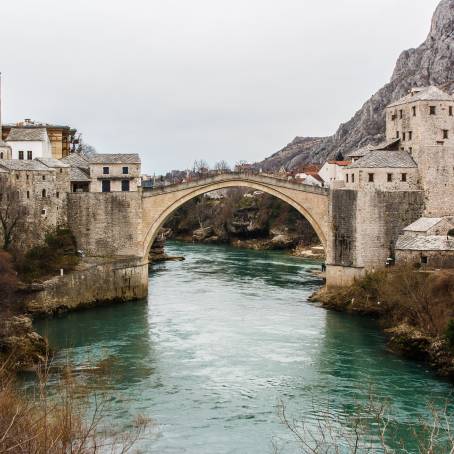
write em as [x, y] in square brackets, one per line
[432, 63]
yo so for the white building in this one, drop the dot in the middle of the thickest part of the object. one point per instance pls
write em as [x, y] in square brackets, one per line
[333, 171]
[27, 144]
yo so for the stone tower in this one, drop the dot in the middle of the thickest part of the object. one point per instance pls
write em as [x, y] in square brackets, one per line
[424, 122]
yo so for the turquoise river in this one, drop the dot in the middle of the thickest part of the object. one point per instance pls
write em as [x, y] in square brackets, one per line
[224, 337]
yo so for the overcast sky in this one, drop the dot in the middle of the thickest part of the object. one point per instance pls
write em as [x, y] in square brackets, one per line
[200, 79]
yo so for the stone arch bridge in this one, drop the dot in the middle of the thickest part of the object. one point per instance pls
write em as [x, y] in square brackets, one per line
[159, 204]
[357, 228]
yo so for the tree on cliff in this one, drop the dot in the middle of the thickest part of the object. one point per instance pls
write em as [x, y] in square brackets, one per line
[12, 213]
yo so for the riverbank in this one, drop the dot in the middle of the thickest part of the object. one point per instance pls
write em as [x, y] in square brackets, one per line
[415, 311]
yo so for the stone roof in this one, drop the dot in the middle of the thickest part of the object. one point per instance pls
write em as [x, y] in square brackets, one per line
[19, 164]
[425, 243]
[53, 163]
[360, 152]
[115, 158]
[422, 225]
[77, 174]
[385, 158]
[431, 93]
[27, 134]
[77, 160]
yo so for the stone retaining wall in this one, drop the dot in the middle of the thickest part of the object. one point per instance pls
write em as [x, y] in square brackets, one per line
[93, 283]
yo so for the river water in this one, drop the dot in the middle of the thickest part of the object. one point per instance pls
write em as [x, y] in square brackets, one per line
[225, 336]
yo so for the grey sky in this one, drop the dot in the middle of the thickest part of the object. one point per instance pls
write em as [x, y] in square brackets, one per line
[214, 79]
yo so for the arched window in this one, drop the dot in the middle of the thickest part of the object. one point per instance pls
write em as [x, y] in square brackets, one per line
[451, 233]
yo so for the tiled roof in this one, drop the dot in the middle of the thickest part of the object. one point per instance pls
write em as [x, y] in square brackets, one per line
[340, 163]
[18, 164]
[422, 224]
[77, 174]
[431, 93]
[425, 243]
[385, 158]
[27, 134]
[115, 158]
[76, 159]
[53, 163]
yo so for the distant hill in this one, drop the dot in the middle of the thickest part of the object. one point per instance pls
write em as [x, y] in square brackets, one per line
[432, 63]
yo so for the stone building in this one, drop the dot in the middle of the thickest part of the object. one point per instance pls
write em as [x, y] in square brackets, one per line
[41, 188]
[62, 139]
[427, 243]
[114, 172]
[104, 172]
[79, 172]
[383, 170]
[333, 171]
[423, 121]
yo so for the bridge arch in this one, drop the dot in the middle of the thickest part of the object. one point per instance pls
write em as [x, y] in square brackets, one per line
[159, 204]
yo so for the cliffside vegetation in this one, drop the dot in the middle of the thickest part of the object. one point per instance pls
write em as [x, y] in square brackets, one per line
[415, 308]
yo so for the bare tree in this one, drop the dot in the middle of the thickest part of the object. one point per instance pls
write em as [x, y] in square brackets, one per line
[200, 166]
[12, 212]
[222, 166]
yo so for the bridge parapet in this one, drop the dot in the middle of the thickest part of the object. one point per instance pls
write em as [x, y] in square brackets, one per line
[234, 176]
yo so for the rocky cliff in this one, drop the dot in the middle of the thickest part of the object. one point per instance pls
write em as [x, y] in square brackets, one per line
[432, 63]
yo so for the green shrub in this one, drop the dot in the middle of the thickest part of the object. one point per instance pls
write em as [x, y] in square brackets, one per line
[59, 251]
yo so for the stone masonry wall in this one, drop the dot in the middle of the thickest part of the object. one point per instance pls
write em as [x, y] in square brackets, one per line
[342, 207]
[92, 283]
[107, 224]
[380, 217]
[435, 259]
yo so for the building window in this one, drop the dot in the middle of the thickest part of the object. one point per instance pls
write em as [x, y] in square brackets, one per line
[371, 177]
[125, 170]
[397, 134]
[44, 177]
[347, 177]
[400, 113]
[410, 150]
[105, 170]
[125, 185]
[403, 136]
[106, 186]
[27, 176]
[21, 154]
[393, 116]
[404, 177]
[29, 155]
[1, 155]
[432, 110]
[57, 194]
[353, 177]
[450, 111]
[414, 110]
[43, 193]
[390, 177]
[410, 135]
[61, 170]
[424, 260]
[445, 133]
[17, 176]
[28, 194]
